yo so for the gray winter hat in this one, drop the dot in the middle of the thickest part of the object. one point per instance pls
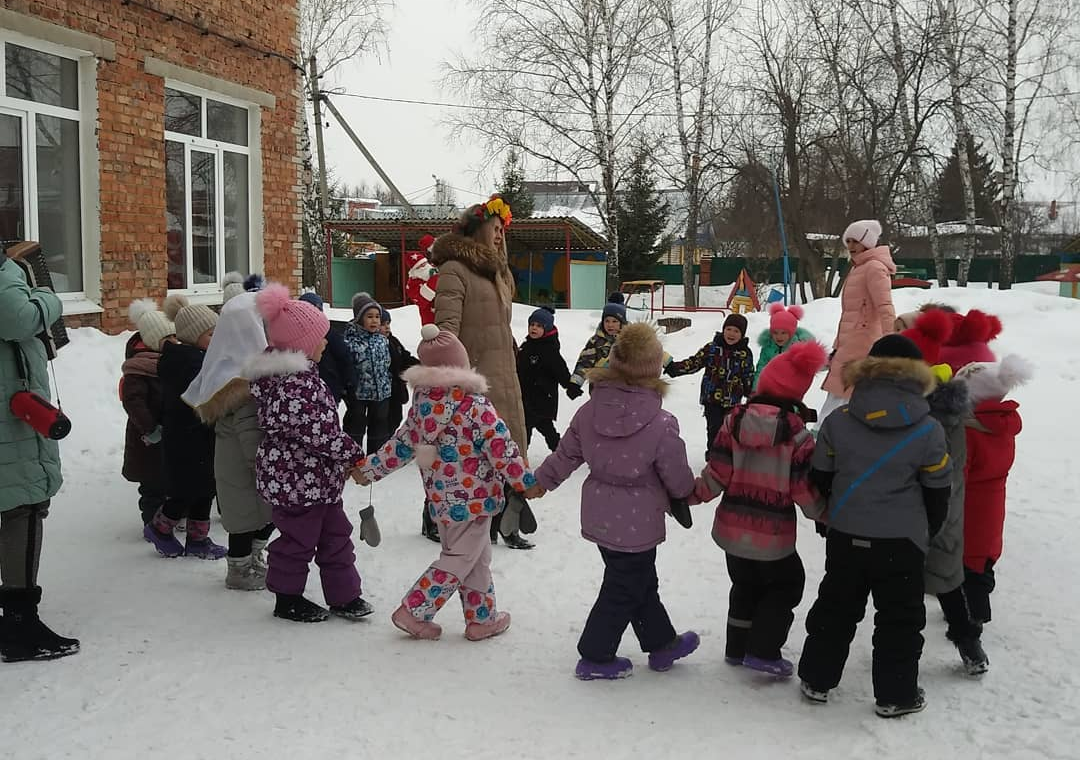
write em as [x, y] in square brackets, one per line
[363, 302]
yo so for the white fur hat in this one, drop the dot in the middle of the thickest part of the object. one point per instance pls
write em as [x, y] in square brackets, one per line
[995, 380]
[865, 231]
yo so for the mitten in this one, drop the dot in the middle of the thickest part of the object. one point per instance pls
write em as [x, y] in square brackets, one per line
[369, 528]
[680, 510]
[573, 392]
[517, 516]
[153, 437]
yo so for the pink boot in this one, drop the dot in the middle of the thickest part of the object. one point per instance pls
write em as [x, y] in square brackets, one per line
[493, 627]
[418, 629]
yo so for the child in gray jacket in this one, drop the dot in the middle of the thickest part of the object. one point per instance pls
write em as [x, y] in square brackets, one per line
[882, 463]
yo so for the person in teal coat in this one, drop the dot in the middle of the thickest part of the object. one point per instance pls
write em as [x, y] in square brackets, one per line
[29, 469]
[783, 332]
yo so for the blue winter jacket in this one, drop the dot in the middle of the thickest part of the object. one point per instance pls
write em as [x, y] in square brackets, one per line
[371, 357]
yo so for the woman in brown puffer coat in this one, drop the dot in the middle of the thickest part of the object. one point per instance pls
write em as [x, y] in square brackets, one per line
[473, 300]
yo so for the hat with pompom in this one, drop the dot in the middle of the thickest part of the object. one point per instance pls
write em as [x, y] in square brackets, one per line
[441, 348]
[363, 302]
[153, 326]
[929, 333]
[291, 325]
[426, 242]
[615, 307]
[784, 318]
[971, 334]
[865, 231]
[232, 285]
[545, 317]
[311, 297]
[637, 353]
[191, 320]
[993, 381]
[789, 375]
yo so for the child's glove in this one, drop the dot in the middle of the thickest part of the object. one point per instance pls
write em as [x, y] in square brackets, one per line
[574, 391]
[153, 437]
[517, 516]
[369, 528]
[680, 510]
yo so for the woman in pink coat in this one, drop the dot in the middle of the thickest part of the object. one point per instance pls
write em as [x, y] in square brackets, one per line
[867, 311]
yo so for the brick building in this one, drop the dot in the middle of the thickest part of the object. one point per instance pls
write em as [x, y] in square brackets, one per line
[151, 146]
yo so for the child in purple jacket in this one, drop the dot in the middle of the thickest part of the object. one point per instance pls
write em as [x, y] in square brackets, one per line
[302, 463]
[637, 464]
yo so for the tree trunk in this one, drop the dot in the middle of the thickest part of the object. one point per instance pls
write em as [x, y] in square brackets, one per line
[967, 183]
[1008, 150]
[690, 240]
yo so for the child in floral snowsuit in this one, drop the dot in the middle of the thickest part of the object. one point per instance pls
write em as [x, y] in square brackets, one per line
[302, 463]
[465, 453]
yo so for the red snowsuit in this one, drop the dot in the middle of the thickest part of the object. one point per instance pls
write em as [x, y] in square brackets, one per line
[421, 286]
[991, 449]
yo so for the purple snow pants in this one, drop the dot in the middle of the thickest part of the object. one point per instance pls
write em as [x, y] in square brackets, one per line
[321, 531]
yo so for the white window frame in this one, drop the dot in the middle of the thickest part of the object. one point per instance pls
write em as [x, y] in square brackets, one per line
[252, 150]
[84, 301]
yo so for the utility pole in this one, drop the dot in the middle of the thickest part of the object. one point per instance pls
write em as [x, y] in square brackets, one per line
[316, 100]
[371, 159]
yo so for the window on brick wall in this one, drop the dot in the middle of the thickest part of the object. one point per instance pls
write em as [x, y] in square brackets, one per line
[44, 122]
[207, 187]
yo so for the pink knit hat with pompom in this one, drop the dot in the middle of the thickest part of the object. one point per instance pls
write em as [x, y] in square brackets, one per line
[291, 325]
[790, 374]
[786, 319]
[441, 348]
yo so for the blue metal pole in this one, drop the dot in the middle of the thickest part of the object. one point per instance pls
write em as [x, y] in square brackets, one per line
[783, 238]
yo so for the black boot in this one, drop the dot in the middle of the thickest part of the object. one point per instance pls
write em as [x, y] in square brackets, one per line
[353, 610]
[429, 529]
[974, 656]
[296, 608]
[22, 634]
[515, 541]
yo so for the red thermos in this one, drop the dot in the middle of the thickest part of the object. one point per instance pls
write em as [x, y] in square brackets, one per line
[39, 414]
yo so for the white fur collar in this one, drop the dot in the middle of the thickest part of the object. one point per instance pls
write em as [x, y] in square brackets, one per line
[273, 363]
[445, 377]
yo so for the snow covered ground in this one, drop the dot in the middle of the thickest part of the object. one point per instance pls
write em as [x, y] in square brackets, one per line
[173, 664]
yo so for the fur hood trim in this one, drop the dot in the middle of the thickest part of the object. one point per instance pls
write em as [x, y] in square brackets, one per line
[468, 380]
[489, 263]
[271, 363]
[950, 400]
[233, 395]
[890, 368]
[608, 375]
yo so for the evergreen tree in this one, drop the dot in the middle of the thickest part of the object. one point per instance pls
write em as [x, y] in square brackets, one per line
[641, 215]
[949, 205]
[512, 187]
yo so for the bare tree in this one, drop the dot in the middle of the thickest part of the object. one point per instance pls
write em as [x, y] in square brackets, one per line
[569, 83]
[691, 28]
[332, 32]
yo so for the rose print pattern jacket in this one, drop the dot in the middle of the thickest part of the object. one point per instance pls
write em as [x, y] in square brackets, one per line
[304, 456]
[463, 447]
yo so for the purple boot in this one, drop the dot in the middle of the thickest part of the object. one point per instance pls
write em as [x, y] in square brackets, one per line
[587, 670]
[684, 644]
[159, 532]
[780, 668]
[198, 543]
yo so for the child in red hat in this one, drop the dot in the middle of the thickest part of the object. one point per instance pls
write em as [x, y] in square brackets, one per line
[760, 461]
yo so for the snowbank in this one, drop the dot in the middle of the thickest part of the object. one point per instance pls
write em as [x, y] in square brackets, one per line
[174, 663]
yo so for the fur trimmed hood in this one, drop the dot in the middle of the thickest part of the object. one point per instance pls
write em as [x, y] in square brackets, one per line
[486, 262]
[273, 363]
[950, 402]
[609, 375]
[890, 368]
[889, 392]
[468, 380]
[230, 397]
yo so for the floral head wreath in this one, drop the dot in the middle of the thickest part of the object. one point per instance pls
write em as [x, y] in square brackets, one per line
[495, 206]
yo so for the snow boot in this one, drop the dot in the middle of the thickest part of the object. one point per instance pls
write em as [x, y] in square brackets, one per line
[418, 629]
[974, 656]
[198, 543]
[241, 576]
[493, 627]
[684, 644]
[515, 541]
[354, 610]
[817, 696]
[159, 532]
[258, 557]
[587, 670]
[780, 667]
[23, 636]
[895, 711]
[734, 661]
[296, 608]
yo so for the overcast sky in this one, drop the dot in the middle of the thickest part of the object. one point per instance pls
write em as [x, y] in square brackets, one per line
[407, 140]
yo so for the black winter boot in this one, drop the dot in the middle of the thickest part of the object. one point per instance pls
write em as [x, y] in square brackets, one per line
[22, 634]
[298, 609]
[354, 610]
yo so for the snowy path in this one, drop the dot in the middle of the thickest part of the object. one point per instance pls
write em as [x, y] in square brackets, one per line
[174, 663]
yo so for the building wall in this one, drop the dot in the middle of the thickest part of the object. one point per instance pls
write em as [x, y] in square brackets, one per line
[130, 123]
